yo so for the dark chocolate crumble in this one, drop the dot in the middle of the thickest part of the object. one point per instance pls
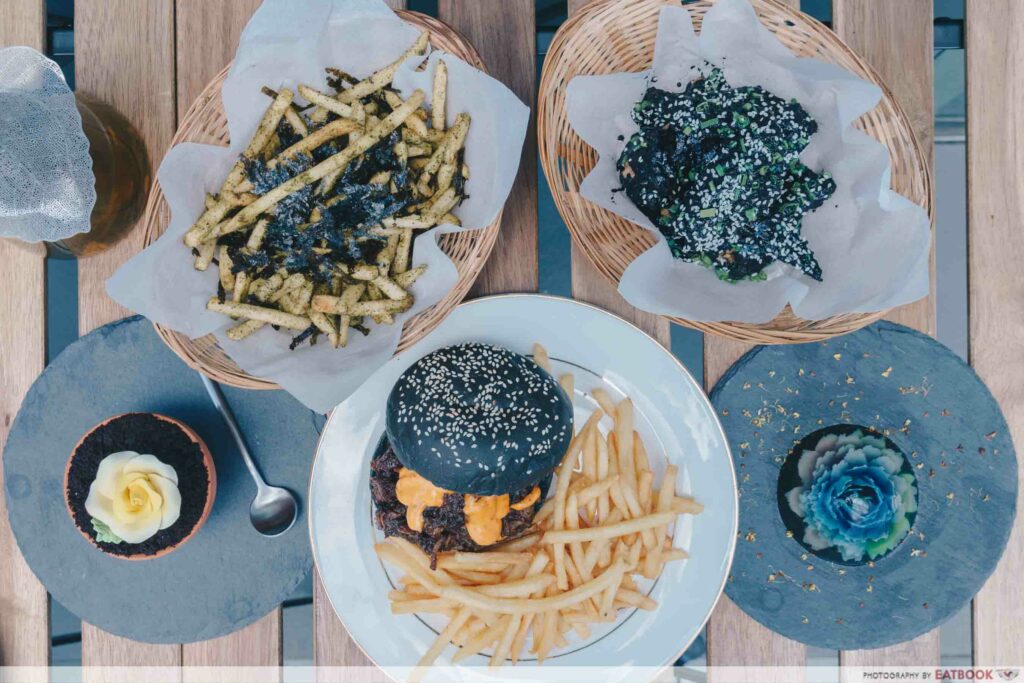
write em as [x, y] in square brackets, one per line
[143, 433]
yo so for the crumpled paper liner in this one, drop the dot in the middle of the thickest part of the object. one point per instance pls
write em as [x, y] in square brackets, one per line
[872, 243]
[288, 42]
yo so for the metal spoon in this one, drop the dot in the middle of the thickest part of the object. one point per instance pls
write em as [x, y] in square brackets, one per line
[274, 509]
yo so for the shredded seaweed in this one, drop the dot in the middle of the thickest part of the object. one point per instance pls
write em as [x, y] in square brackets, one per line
[264, 178]
[325, 227]
[302, 336]
[286, 134]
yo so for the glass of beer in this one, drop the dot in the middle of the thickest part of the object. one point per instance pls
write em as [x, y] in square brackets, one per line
[121, 166]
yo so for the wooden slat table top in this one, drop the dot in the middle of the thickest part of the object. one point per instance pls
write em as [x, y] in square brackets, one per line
[24, 604]
[896, 39]
[151, 59]
[124, 56]
[205, 40]
[995, 190]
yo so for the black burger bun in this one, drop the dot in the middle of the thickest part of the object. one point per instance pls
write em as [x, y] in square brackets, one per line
[480, 419]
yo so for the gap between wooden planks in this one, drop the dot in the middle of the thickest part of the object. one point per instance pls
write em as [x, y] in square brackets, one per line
[24, 604]
[995, 188]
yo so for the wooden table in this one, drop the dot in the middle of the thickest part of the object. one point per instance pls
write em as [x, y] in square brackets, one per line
[150, 59]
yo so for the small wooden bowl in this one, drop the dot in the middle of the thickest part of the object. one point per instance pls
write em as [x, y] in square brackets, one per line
[211, 488]
[205, 122]
[613, 36]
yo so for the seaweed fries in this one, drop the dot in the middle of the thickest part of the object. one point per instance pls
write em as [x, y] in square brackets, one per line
[313, 229]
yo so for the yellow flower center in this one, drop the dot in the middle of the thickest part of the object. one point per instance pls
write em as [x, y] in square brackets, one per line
[134, 495]
[138, 497]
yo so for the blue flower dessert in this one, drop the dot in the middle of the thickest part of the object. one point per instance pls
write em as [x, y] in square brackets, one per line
[717, 170]
[856, 498]
[473, 434]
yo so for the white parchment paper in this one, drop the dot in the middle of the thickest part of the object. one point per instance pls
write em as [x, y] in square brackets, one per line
[872, 243]
[288, 42]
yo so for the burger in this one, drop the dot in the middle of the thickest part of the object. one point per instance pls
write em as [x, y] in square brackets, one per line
[473, 435]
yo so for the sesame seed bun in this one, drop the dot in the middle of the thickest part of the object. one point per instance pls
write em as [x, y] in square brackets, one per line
[479, 419]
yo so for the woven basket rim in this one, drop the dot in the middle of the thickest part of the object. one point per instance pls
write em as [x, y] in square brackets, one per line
[204, 353]
[551, 116]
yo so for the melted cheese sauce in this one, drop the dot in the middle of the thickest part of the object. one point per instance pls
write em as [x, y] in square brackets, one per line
[416, 494]
[484, 514]
[531, 498]
[483, 517]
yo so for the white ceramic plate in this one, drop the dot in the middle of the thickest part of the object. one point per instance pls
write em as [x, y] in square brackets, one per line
[673, 416]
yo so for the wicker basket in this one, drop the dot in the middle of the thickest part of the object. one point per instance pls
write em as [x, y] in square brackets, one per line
[205, 122]
[614, 36]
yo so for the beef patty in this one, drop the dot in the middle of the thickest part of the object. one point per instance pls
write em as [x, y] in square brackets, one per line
[444, 527]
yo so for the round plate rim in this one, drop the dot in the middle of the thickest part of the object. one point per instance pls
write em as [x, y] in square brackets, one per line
[719, 591]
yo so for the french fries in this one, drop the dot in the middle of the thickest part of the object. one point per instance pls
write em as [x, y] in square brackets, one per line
[327, 198]
[607, 522]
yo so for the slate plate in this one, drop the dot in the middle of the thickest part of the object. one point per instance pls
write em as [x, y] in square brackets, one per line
[227, 576]
[928, 402]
